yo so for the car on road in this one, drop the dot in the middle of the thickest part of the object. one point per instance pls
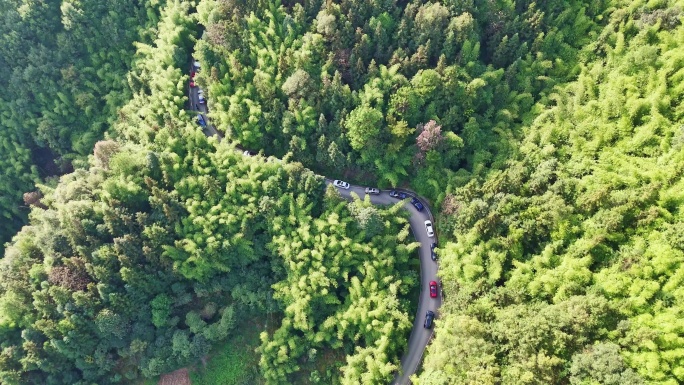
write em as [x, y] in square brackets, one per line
[429, 317]
[201, 121]
[249, 153]
[372, 191]
[433, 253]
[397, 194]
[200, 96]
[429, 229]
[341, 184]
[192, 83]
[433, 289]
[416, 203]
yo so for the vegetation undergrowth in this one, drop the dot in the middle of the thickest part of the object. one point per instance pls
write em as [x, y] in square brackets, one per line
[233, 361]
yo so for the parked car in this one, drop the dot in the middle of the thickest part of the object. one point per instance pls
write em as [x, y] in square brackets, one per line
[433, 253]
[192, 83]
[429, 317]
[341, 184]
[249, 153]
[192, 74]
[429, 229]
[201, 121]
[398, 194]
[416, 203]
[372, 191]
[200, 96]
[433, 289]
[196, 66]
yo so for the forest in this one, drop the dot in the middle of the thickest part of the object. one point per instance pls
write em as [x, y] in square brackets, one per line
[66, 65]
[548, 138]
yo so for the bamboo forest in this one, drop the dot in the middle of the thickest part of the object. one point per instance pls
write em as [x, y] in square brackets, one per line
[342, 192]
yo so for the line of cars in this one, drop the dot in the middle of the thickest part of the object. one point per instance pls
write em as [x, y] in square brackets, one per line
[193, 83]
[430, 315]
[200, 93]
[429, 229]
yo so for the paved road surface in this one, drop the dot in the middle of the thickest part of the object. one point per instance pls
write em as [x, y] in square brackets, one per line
[428, 268]
[195, 105]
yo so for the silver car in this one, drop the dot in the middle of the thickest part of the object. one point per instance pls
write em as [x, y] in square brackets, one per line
[372, 191]
[429, 229]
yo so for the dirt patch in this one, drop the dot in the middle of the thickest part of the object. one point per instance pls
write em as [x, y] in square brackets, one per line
[178, 377]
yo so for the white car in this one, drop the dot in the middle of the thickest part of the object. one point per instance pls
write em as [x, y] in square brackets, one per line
[372, 191]
[341, 184]
[430, 230]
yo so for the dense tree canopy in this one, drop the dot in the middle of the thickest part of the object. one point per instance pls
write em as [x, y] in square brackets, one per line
[64, 75]
[167, 241]
[344, 85]
[548, 137]
[583, 225]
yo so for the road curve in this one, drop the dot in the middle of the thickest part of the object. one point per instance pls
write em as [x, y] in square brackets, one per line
[420, 336]
[428, 272]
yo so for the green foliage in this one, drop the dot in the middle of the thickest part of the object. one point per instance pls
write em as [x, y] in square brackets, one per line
[363, 124]
[161, 246]
[548, 135]
[65, 66]
[602, 364]
[374, 72]
[233, 361]
[342, 290]
[584, 213]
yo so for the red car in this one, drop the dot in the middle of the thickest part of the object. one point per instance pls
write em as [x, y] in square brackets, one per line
[433, 289]
[192, 82]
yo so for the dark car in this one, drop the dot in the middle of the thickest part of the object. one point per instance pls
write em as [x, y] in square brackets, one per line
[201, 121]
[397, 194]
[429, 317]
[433, 289]
[415, 202]
[433, 253]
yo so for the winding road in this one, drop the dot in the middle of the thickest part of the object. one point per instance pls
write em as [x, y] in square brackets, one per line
[428, 272]
[420, 336]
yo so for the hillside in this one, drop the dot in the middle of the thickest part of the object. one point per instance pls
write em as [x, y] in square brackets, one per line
[547, 138]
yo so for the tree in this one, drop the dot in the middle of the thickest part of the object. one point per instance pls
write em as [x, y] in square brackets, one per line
[364, 126]
[104, 150]
[298, 84]
[602, 363]
[430, 137]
